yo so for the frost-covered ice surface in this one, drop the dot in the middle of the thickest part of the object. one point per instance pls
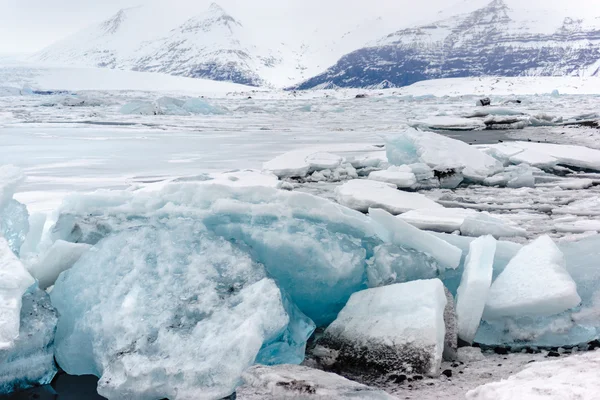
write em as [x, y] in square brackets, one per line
[566, 379]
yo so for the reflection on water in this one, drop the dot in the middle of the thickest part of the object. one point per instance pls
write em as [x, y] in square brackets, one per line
[63, 387]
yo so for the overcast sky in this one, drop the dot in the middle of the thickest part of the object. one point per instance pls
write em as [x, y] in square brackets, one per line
[30, 25]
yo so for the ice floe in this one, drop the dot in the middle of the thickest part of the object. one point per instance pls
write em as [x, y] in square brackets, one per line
[362, 194]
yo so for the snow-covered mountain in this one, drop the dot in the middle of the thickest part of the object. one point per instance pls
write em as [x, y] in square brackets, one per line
[199, 39]
[493, 40]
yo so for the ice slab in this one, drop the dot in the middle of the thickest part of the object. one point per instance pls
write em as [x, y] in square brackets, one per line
[362, 194]
[534, 283]
[30, 361]
[468, 222]
[575, 184]
[581, 226]
[447, 123]
[14, 282]
[298, 163]
[299, 382]
[474, 286]
[167, 310]
[60, 257]
[402, 176]
[514, 176]
[546, 155]
[34, 236]
[395, 231]
[440, 152]
[573, 377]
[396, 328]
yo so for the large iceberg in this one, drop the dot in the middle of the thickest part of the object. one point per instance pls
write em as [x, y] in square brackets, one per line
[440, 153]
[171, 310]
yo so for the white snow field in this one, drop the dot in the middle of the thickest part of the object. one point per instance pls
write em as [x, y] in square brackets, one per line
[272, 209]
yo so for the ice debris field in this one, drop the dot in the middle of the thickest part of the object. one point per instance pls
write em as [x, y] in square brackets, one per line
[381, 247]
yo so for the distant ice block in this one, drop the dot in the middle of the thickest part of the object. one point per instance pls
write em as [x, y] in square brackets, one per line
[402, 176]
[573, 377]
[60, 257]
[474, 286]
[468, 222]
[581, 226]
[14, 281]
[170, 106]
[437, 151]
[170, 310]
[513, 177]
[534, 283]
[396, 328]
[300, 162]
[546, 155]
[30, 360]
[485, 224]
[395, 231]
[362, 194]
[299, 382]
[445, 123]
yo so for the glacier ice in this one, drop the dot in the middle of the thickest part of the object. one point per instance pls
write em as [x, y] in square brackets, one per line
[395, 231]
[534, 283]
[395, 328]
[170, 310]
[395, 264]
[440, 152]
[14, 282]
[474, 286]
[34, 235]
[14, 218]
[362, 194]
[60, 257]
[30, 360]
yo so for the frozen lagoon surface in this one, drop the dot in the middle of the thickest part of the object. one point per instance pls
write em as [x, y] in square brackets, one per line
[64, 148]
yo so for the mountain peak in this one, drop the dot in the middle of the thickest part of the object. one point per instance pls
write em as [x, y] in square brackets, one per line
[215, 8]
